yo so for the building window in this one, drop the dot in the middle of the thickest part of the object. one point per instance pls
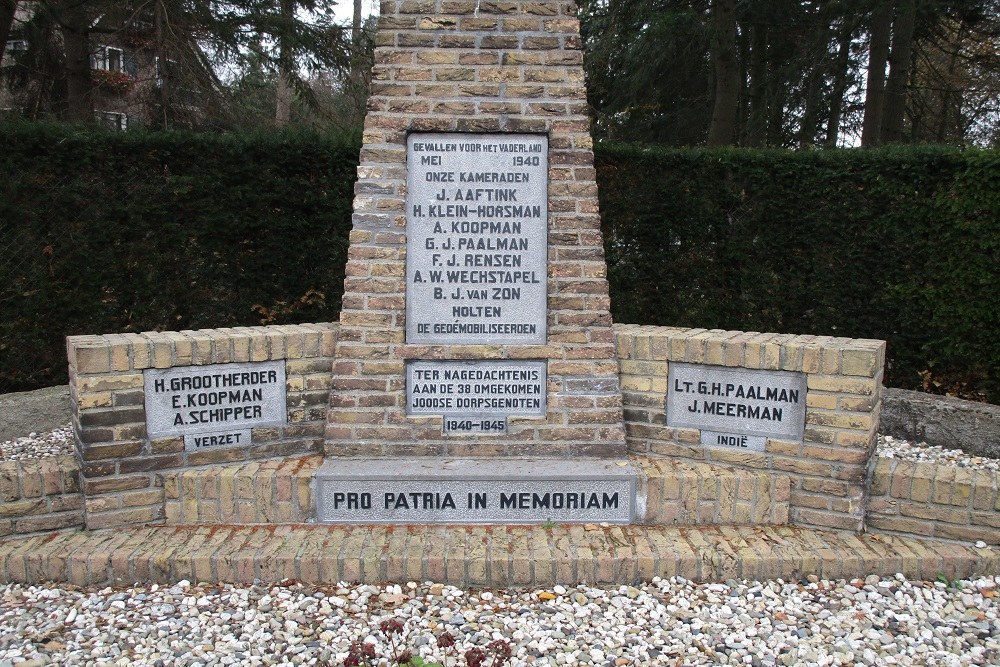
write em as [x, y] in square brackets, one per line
[107, 58]
[113, 120]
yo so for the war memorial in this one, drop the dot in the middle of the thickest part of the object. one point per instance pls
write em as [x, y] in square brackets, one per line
[475, 417]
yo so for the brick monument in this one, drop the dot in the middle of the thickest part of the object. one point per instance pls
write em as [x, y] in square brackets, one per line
[475, 319]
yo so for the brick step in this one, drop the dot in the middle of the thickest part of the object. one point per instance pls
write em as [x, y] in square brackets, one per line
[280, 491]
[476, 556]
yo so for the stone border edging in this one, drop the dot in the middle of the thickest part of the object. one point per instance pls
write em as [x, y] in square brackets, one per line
[941, 420]
[477, 556]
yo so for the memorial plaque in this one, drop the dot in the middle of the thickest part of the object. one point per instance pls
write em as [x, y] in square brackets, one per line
[475, 396]
[476, 238]
[217, 405]
[475, 491]
[737, 401]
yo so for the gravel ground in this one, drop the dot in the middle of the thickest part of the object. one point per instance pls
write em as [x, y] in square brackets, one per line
[894, 448]
[38, 445]
[670, 622]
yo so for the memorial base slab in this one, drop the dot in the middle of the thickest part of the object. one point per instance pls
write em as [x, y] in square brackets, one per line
[476, 491]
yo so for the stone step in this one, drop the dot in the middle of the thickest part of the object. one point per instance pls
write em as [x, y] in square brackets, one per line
[476, 556]
[281, 491]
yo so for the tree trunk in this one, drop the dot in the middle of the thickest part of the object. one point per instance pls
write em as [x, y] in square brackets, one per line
[163, 75]
[283, 92]
[839, 85]
[900, 60]
[722, 130]
[7, 10]
[878, 55]
[356, 73]
[757, 125]
[813, 97]
[76, 48]
[950, 93]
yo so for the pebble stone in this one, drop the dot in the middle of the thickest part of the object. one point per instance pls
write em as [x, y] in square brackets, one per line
[38, 445]
[895, 448]
[60, 441]
[872, 621]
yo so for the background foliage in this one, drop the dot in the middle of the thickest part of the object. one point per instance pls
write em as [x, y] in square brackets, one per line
[898, 244]
[104, 232]
[109, 232]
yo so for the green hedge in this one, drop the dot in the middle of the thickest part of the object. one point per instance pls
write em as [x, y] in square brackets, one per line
[897, 244]
[103, 232]
[128, 232]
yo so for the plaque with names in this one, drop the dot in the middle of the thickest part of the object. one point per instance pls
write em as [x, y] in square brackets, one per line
[214, 406]
[476, 238]
[737, 402]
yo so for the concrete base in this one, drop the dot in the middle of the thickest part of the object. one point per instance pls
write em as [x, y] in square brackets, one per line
[476, 491]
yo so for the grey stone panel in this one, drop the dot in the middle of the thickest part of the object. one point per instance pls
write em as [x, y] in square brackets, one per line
[475, 491]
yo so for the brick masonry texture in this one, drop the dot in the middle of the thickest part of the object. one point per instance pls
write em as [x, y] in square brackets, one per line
[271, 491]
[457, 66]
[280, 491]
[40, 495]
[488, 556]
[844, 391]
[122, 470]
[933, 500]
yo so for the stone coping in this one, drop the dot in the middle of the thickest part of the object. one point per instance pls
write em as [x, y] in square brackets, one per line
[944, 421]
[472, 556]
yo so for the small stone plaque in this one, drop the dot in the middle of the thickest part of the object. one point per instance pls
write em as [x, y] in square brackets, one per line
[475, 395]
[750, 443]
[224, 400]
[737, 401]
[507, 491]
[220, 440]
[482, 424]
[476, 238]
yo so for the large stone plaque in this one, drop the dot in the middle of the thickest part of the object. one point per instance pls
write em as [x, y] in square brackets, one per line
[475, 491]
[216, 405]
[737, 401]
[476, 238]
[476, 396]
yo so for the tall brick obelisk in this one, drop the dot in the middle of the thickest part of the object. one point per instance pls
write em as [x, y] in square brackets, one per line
[475, 318]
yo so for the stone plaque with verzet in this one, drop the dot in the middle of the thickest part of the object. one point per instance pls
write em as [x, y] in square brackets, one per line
[217, 405]
[475, 396]
[476, 249]
[728, 402]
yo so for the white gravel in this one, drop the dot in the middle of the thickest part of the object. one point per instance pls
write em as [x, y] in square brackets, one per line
[671, 622]
[895, 448]
[38, 445]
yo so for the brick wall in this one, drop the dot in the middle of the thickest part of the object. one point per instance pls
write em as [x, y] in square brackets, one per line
[40, 495]
[934, 500]
[844, 388]
[122, 468]
[467, 66]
